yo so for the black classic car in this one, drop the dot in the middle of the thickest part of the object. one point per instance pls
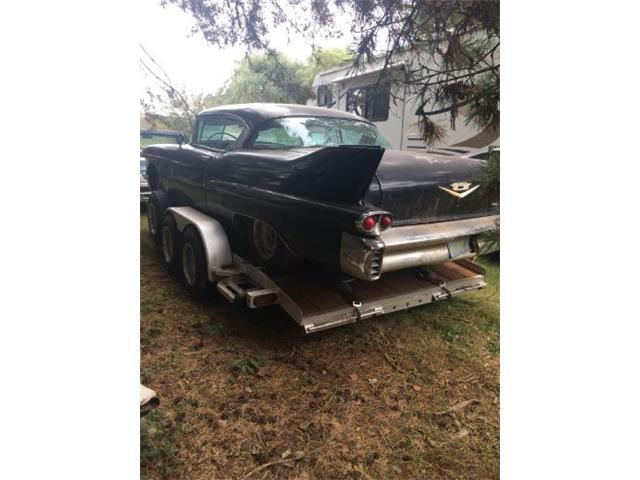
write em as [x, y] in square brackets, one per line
[153, 137]
[296, 185]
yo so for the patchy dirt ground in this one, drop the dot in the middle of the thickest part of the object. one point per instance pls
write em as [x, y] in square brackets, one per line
[247, 395]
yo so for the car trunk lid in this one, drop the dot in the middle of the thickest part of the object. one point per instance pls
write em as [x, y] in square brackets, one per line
[424, 188]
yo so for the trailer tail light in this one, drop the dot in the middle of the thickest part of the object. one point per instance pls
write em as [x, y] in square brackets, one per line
[265, 299]
[385, 222]
[261, 298]
[369, 223]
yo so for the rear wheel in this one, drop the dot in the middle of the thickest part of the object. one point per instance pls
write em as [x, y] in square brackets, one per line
[194, 264]
[157, 205]
[269, 250]
[171, 244]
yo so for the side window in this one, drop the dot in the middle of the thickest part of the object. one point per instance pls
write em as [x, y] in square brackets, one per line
[208, 130]
[370, 102]
[380, 103]
[357, 101]
[218, 132]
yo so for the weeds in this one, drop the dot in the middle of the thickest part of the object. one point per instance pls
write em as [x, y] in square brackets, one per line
[156, 301]
[247, 366]
[206, 326]
[450, 330]
[492, 346]
[214, 329]
[158, 443]
[156, 327]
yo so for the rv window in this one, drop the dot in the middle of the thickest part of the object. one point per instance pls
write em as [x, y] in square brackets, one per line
[325, 96]
[370, 102]
[379, 103]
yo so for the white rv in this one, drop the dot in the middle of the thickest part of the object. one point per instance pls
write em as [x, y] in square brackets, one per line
[392, 108]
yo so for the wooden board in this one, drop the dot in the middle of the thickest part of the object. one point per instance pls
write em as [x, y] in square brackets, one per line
[316, 292]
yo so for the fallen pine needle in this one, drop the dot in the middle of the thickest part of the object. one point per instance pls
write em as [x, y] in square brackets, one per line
[458, 406]
[466, 378]
[275, 462]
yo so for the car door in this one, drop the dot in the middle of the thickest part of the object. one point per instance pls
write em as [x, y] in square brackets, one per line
[214, 136]
[190, 166]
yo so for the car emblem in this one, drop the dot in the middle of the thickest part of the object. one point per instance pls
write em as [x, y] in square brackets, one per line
[459, 189]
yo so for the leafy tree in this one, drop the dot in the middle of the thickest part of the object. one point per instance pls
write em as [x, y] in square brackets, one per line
[265, 78]
[453, 45]
[324, 59]
[272, 77]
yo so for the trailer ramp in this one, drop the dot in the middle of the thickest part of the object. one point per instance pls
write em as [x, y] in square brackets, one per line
[321, 300]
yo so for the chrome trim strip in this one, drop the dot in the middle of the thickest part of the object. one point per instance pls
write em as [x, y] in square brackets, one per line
[414, 237]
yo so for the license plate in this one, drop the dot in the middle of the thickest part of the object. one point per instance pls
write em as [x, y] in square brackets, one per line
[458, 247]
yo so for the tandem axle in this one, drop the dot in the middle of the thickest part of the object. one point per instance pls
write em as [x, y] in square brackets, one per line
[316, 300]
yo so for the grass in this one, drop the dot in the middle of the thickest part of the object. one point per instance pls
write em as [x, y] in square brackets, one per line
[241, 388]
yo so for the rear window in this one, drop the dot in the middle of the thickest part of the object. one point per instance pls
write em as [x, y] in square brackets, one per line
[300, 132]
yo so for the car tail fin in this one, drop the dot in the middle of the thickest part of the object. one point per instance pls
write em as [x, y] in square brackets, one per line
[340, 174]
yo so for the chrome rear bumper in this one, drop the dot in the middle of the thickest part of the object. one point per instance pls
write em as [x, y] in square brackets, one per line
[412, 246]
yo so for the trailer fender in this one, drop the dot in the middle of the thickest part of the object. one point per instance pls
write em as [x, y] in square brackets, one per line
[214, 238]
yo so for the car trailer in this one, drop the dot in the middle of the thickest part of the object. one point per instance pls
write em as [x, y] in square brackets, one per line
[323, 299]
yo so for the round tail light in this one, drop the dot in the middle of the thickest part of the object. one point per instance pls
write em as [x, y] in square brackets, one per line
[385, 222]
[369, 223]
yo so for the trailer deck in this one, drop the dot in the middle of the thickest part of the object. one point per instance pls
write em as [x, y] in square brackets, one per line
[320, 300]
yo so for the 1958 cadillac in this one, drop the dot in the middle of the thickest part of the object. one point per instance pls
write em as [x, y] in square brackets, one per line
[152, 137]
[296, 185]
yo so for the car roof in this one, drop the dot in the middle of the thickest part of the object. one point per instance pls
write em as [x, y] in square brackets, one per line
[256, 113]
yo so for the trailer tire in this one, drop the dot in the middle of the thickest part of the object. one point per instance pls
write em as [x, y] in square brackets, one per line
[268, 250]
[171, 244]
[156, 208]
[194, 264]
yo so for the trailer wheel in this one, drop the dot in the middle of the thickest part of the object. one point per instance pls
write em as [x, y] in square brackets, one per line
[157, 205]
[171, 244]
[270, 251]
[194, 264]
